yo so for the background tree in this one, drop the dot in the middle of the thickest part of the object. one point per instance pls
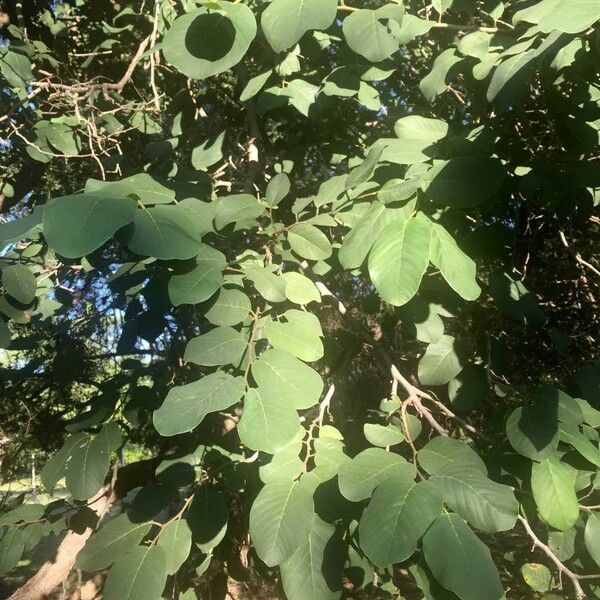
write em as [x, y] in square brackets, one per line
[334, 268]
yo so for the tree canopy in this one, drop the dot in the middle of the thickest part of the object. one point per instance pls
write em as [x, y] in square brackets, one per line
[333, 267]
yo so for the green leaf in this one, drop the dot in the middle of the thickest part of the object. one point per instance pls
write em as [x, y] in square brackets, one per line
[571, 16]
[412, 27]
[87, 468]
[208, 41]
[142, 186]
[592, 536]
[436, 81]
[208, 518]
[207, 154]
[358, 477]
[280, 520]
[313, 571]
[399, 259]
[141, 573]
[277, 189]
[19, 282]
[374, 34]
[455, 266]
[282, 377]
[571, 435]
[55, 467]
[553, 487]
[5, 335]
[300, 335]
[166, 232]
[267, 424]
[220, 346]
[383, 435]
[241, 209]
[112, 540]
[533, 431]
[299, 289]
[254, 86]
[286, 464]
[441, 362]
[202, 281]
[397, 517]
[460, 561]
[230, 308]
[24, 513]
[176, 541]
[358, 242]
[284, 22]
[270, 286]
[12, 546]
[511, 79]
[309, 242]
[302, 95]
[18, 229]
[16, 68]
[365, 170]
[186, 406]
[485, 504]
[464, 181]
[440, 452]
[537, 577]
[415, 127]
[405, 152]
[75, 226]
[63, 139]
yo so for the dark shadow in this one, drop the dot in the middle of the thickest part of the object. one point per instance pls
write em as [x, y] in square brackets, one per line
[333, 561]
[539, 421]
[331, 506]
[208, 515]
[151, 500]
[83, 519]
[514, 299]
[210, 37]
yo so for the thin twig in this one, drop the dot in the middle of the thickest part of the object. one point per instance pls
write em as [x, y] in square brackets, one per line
[579, 593]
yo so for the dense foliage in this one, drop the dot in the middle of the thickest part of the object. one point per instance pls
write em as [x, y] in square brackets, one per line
[334, 266]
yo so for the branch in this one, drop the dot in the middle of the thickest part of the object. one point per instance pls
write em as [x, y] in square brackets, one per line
[579, 593]
[576, 255]
[56, 570]
[88, 86]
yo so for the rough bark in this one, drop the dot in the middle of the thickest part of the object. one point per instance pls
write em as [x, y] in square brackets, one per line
[53, 572]
[56, 570]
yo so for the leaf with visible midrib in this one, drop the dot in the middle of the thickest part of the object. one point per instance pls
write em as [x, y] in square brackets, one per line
[441, 362]
[399, 259]
[398, 515]
[357, 478]
[141, 573]
[284, 22]
[19, 282]
[75, 226]
[280, 520]
[485, 504]
[312, 573]
[186, 406]
[460, 561]
[111, 541]
[267, 424]
[553, 487]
